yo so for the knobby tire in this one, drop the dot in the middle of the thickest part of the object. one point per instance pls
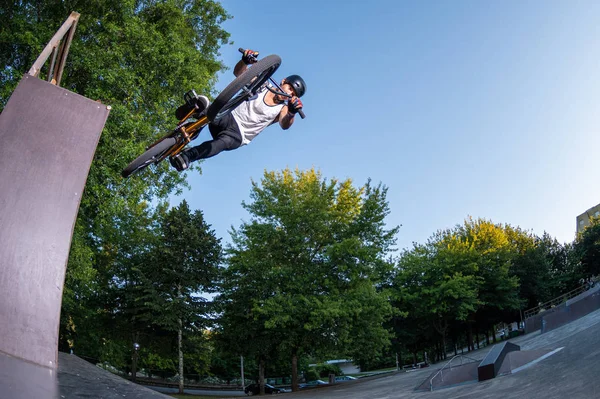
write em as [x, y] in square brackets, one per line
[149, 156]
[233, 95]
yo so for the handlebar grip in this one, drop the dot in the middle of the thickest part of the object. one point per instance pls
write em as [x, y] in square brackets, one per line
[241, 50]
[301, 114]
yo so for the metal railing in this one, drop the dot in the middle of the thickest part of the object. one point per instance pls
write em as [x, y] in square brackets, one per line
[556, 301]
[446, 365]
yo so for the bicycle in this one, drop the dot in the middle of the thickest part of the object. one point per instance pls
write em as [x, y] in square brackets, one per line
[242, 88]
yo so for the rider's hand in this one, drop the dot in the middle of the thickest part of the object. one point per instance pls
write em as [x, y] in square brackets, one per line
[294, 105]
[250, 56]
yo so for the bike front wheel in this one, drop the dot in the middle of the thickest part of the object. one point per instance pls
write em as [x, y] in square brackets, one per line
[243, 87]
[150, 156]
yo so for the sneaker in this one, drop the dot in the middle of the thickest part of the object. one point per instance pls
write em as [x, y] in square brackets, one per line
[180, 162]
[201, 102]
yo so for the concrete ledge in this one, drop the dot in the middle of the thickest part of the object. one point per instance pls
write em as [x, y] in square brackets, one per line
[490, 365]
[568, 314]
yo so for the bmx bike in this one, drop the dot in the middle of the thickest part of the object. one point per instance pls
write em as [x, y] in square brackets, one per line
[242, 88]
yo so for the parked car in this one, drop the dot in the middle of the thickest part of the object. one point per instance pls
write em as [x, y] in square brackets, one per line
[342, 378]
[313, 383]
[254, 389]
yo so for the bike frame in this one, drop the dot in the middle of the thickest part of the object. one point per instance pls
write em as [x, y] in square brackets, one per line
[185, 133]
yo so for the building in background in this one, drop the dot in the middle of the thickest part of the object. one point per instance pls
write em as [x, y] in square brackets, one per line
[583, 220]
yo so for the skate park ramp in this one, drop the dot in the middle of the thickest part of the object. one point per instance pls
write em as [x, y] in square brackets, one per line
[80, 379]
[519, 360]
[558, 313]
[470, 371]
[454, 375]
[48, 136]
[571, 311]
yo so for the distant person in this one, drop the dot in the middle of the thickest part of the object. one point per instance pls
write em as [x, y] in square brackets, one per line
[247, 120]
[590, 283]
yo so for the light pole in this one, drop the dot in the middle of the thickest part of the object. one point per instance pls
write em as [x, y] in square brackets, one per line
[136, 348]
[242, 366]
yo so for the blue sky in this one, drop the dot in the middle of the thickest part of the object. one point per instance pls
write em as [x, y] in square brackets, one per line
[464, 108]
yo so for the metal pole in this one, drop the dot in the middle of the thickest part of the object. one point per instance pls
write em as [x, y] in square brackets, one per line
[242, 366]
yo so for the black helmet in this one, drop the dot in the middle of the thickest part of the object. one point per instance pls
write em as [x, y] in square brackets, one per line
[297, 84]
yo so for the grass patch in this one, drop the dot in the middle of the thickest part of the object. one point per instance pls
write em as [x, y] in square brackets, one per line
[367, 373]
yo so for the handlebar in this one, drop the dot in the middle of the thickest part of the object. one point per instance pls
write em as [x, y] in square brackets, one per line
[280, 92]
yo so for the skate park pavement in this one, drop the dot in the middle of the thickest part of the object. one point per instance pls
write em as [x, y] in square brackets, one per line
[571, 370]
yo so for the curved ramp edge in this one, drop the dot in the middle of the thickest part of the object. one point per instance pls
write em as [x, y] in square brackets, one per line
[48, 137]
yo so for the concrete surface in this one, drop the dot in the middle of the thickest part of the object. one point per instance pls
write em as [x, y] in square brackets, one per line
[78, 378]
[571, 372]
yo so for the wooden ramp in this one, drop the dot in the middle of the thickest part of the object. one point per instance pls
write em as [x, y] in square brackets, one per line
[48, 136]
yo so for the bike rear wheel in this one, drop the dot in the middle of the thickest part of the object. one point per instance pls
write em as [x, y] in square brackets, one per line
[150, 156]
[243, 87]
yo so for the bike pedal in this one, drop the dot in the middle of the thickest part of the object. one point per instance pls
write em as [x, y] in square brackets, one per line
[190, 98]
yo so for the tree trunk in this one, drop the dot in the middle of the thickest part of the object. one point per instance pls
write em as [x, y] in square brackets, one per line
[294, 370]
[415, 359]
[494, 334]
[261, 375]
[441, 326]
[470, 338]
[180, 349]
[444, 347]
[487, 338]
[477, 336]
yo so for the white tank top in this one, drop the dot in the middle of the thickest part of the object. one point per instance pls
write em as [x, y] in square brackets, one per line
[254, 116]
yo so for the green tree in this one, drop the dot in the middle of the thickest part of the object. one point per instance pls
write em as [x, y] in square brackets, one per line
[185, 263]
[138, 57]
[314, 253]
[492, 251]
[437, 283]
[533, 267]
[586, 250]
[460, 277]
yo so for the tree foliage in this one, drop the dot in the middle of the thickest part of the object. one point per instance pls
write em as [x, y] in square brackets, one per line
[470, 278]
[587, 250]
[305, 273]
[183, 263]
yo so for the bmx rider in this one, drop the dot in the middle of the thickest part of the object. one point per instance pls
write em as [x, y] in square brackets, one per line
[246, 121]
